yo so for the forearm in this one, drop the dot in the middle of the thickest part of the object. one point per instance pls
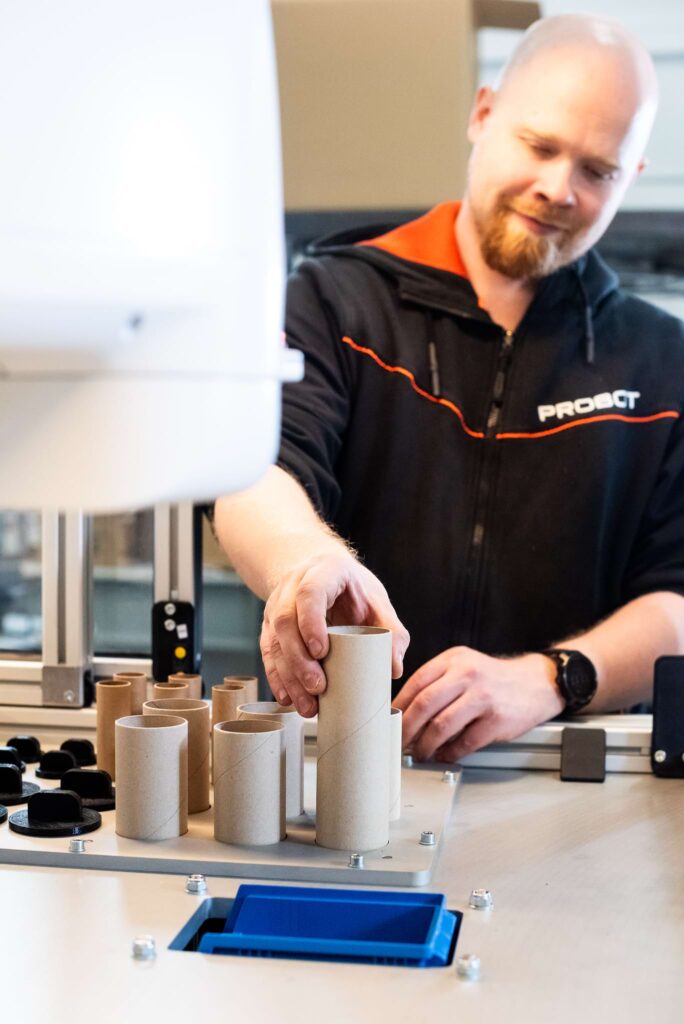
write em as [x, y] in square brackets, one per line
[268, 529]
[625, 646]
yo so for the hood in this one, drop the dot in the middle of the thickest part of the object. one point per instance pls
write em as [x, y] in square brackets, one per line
[423, 260]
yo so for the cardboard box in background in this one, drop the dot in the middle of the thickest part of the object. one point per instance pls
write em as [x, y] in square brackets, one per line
[375, 97]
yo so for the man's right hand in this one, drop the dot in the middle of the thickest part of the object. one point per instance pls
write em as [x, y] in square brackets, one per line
[327, 589]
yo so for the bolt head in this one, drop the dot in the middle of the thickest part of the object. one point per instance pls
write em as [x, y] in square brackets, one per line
[449, 777]
[144, 948]
[169, 625]
[468, 965]
[77, 845]
[196, 884]
[481, 899]
[407, 761]
[69, 696]
[427, 838]
[170, 608]
[659, 756]
[356, 860]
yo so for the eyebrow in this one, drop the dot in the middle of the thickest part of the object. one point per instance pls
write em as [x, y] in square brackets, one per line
[607, 166]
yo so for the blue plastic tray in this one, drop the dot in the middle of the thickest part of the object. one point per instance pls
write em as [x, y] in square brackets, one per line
[411, 929]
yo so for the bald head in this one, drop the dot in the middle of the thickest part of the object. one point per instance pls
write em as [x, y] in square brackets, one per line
[600, 47]
[557, 142]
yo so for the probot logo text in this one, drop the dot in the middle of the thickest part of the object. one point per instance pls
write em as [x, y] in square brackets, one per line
[619, 399]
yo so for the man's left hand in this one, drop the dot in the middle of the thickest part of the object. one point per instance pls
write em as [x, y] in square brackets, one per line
[462, 700]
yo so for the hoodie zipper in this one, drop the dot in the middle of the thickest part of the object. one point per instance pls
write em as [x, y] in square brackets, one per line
[487, 468]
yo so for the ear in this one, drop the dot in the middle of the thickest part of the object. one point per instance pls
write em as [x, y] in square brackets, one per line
[482, 108]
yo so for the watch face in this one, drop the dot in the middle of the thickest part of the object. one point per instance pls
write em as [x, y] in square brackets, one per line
[580, 675]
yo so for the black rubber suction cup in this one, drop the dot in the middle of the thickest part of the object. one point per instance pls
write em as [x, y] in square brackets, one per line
[28, 748]
[83, 751]
[93, 787]
[53, 813]
[13, 789]
[55, 763]
[10, 755]
[3, 814]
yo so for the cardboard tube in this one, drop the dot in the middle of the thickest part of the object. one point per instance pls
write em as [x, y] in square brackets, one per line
[293, 723]
[162, 690]
[194, 683]
[138, 681]
[250, 683]
[249, 772]
[196, 714]
[352, 798]
[395, 765]
[112, 701]
[152, 785]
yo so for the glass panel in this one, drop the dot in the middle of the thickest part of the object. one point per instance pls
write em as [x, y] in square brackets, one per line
[232, 618]
[20, 580]
[123, 583]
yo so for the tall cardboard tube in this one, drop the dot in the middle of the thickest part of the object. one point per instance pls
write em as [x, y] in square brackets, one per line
[152, 784]
[395, 765]
[162, 690]
[249, 772]
[293, 723]
[112, 701]
[193, 680]
[250, 683]
[352, 798]
[138, 681]
[196, 713]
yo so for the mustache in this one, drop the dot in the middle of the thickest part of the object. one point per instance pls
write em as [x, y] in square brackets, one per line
[555, 218]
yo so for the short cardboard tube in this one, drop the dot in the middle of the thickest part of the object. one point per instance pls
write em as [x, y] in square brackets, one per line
[250, 683]
[249, 774]
[193, 680]
[162, 690]
[152, 785]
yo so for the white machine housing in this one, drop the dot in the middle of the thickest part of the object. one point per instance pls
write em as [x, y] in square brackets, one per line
[141, 251]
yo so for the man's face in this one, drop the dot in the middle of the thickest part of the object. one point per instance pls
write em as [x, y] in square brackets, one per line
[553, 153]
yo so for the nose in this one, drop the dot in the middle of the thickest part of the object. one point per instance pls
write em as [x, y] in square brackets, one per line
[555, 183]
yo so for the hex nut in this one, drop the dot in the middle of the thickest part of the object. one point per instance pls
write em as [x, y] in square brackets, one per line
[196, 884]
[481, 899]
[407, 761]
[449, 777]
[144, 948]
[427, 838]
[468, 965]
[356, 860]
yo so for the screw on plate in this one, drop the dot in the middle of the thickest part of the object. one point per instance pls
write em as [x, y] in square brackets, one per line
[481, 899]
[427, 838]
[449, 777]
[407, 761]
[468, 965]
[144, 948]
[78, 845]
[196, 884]
[659, 756]
[355, 860]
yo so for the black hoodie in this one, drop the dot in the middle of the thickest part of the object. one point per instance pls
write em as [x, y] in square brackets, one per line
[508, 491]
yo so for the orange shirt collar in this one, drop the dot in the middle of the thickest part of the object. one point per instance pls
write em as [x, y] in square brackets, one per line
[429, 240]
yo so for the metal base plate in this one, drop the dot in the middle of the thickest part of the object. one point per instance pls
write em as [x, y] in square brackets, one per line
[426, 805]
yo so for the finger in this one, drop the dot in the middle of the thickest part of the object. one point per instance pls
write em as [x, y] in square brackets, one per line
[317, 592]
[306, 705]
[450, 725]
[285, 686]
[422, 677]
[429, 703]
[284, 621]
[479, 734]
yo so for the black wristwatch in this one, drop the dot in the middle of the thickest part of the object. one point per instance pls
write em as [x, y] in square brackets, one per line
[575, 677]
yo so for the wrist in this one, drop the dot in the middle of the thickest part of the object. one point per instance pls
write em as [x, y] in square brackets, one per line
[543, 670]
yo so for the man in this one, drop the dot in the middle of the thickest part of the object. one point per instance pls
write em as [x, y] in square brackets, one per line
[490, 423]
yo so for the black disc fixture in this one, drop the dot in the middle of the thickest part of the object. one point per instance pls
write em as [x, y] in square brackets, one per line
[13, 789]
[83, 751]
[28, 748]
[10, 755]
[94, 788]
[55, 763]
[54, 813]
